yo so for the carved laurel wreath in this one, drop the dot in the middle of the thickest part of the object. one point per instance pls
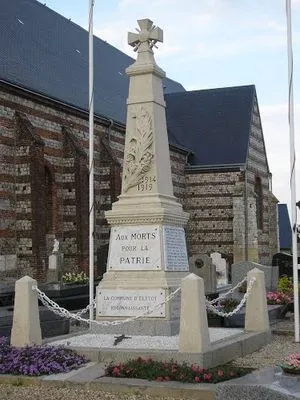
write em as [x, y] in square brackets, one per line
[140, 153]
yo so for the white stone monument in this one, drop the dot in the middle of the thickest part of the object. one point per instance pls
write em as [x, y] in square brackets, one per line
[147, 251]
[55, 261]
[221, 269]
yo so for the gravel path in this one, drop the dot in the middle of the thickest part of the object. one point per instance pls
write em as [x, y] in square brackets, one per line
[273, 354]
[9, 392]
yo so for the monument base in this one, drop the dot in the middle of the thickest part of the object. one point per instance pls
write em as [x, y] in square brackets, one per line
[123, 295]
[141, 327]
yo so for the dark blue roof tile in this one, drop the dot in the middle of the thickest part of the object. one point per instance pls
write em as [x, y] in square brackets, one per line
[285, 230]
[214, 123]
[46, 53]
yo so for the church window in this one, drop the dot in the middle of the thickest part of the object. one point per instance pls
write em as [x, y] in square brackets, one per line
[49, 200]
[259, 202]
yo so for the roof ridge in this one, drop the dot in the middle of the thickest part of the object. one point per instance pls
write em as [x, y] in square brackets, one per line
[225, 88]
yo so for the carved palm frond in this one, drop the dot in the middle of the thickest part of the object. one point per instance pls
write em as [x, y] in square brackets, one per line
[140, 155]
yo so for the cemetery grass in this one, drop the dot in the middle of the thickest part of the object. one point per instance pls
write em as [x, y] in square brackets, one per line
[164, 371]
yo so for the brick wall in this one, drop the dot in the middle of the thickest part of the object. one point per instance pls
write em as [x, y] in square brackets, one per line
[44, 184]
[44, 175]
[257, 168]
[44, 190]
[209, 200]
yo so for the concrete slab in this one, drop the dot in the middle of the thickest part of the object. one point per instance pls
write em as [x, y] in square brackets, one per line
[174, 390]
[234, 344]
[88, 373]
[268, 383]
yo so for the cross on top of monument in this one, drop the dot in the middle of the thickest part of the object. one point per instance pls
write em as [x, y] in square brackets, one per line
[146, 38]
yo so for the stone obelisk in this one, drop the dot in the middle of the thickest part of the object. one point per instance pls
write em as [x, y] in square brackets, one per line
[147, 251]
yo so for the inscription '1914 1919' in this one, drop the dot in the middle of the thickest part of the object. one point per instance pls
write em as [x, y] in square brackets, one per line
[146, 184]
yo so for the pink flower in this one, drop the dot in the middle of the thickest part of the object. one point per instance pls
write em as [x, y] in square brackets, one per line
[195, 367]
[207, 377]
[220, 372]
[159, 379]
[116, 371]
[197, 379]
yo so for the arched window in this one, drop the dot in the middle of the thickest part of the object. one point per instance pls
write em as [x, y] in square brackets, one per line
[259, 202]
[49, 200]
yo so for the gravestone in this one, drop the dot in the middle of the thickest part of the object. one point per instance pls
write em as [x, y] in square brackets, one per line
[8, 262]
[240, 269]
[221, 269]
[147, 251]
[202, 266]
[55, 263]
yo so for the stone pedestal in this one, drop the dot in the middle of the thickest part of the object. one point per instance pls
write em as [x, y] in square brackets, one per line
[147, 251]
[26, 328]
[55, 264]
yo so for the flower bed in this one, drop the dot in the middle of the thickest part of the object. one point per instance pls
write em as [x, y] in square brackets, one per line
[75, 278]
[292, 364]
[162, 371]
[278, 298]
[37, 360]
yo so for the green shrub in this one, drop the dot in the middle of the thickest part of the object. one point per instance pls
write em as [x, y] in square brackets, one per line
[285, 285]
[76, 278]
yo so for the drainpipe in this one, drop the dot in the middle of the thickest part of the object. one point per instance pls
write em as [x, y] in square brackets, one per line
[246, 213]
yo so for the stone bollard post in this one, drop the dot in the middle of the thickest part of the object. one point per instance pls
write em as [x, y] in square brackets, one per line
[193, 334]
[26, 328]
[257, 317]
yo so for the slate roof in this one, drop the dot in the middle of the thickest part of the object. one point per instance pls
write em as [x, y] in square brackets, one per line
[214, 123]
[285, 230]
[47, 54]
[44, 52]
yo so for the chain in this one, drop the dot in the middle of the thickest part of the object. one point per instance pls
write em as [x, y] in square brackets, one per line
[224, 295]
[87, 308]
[216, 311]
[56, 309]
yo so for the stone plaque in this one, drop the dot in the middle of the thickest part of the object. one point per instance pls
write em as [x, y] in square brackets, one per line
[175, 249]
[130, 302]
[53, 261]
[8, 262]
[135, 248]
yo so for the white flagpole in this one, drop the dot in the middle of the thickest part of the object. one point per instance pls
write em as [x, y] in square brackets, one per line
[292, 165]
[91, 161]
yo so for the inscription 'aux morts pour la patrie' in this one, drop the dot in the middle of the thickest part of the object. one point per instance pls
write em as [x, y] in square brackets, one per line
[134, 247]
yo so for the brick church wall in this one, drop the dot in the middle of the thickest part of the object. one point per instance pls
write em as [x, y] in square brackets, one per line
[209, 200]
[44, 190]
[39, 139]
[36, 138]
[257, 168]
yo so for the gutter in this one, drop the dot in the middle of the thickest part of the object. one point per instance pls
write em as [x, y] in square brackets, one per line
[215, 167]
[246, 214]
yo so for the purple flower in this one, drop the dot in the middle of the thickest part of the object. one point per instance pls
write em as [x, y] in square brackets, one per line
[37, 360]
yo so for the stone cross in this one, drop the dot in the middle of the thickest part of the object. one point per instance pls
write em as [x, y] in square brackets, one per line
[148, 35]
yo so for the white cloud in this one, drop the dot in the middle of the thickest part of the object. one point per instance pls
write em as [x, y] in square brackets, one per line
[276, 133]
